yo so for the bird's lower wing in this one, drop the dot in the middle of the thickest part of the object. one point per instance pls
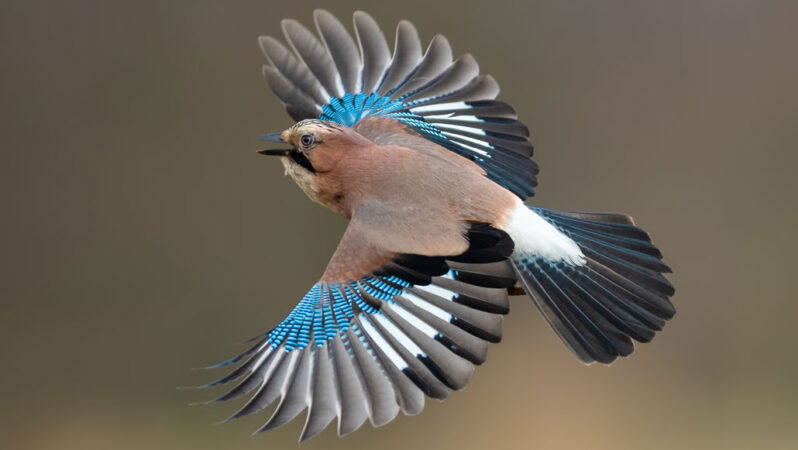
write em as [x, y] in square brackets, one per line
[371, 345]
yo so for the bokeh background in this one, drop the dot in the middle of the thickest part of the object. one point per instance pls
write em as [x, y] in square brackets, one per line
[141, 235]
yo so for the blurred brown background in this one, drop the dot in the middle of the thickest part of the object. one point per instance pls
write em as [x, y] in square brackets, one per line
[142, 236]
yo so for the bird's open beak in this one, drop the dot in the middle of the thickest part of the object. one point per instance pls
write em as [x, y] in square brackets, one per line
[274, 137]
[271, 137]
[276, 152]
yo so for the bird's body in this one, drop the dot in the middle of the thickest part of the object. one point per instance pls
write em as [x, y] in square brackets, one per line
[432, 173]
[357, 177]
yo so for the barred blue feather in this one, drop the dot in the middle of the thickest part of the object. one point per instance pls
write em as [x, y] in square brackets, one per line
[328, 308]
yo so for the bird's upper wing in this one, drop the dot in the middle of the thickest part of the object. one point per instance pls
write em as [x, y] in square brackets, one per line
[444, 100]
[379, 330]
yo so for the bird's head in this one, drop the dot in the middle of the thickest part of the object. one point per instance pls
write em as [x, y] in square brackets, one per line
[316, 149]
[309, 142]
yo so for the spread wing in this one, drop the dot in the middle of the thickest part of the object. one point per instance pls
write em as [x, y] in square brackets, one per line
[445, 100]
[378, 332]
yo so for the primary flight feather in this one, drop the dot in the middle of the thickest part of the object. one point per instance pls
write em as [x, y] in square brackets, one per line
[432, 172]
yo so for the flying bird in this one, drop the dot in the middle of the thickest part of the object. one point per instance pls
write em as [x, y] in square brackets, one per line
[433, 173]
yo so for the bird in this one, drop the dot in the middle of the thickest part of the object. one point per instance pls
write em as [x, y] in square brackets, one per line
[434, 175]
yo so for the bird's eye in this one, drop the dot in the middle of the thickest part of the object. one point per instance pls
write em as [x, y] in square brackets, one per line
[306, 140]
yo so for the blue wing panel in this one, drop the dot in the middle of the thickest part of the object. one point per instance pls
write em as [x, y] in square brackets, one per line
[328, 308]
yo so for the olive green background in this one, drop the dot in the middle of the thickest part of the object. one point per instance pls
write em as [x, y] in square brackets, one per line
[140, 235]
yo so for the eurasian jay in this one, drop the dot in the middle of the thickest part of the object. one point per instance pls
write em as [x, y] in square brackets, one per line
[432, 173]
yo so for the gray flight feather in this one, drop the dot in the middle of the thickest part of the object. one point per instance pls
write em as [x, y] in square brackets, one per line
[294, 394]
[521, 147]
[484, 325]
[301, 106]
[341, 47]
[496, 297]
[437, 58]
[246, 354]
[454, 78]
[314, 55]
[408, 395]
[481, 87]
[466, 345]
[253, 378]
[379, 393]
[246, 367]
[293, 68]
[374, 50]
[455, 372]
[432, 386]
[352, 410]
[323, 399]
[270, 386]
[406, 56]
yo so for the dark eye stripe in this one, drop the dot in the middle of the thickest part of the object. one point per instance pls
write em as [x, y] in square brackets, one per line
[302, 160]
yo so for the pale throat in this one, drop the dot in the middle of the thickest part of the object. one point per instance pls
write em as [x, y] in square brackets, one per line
[303, 178]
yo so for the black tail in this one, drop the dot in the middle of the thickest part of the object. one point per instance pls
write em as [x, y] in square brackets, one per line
[619, 294]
